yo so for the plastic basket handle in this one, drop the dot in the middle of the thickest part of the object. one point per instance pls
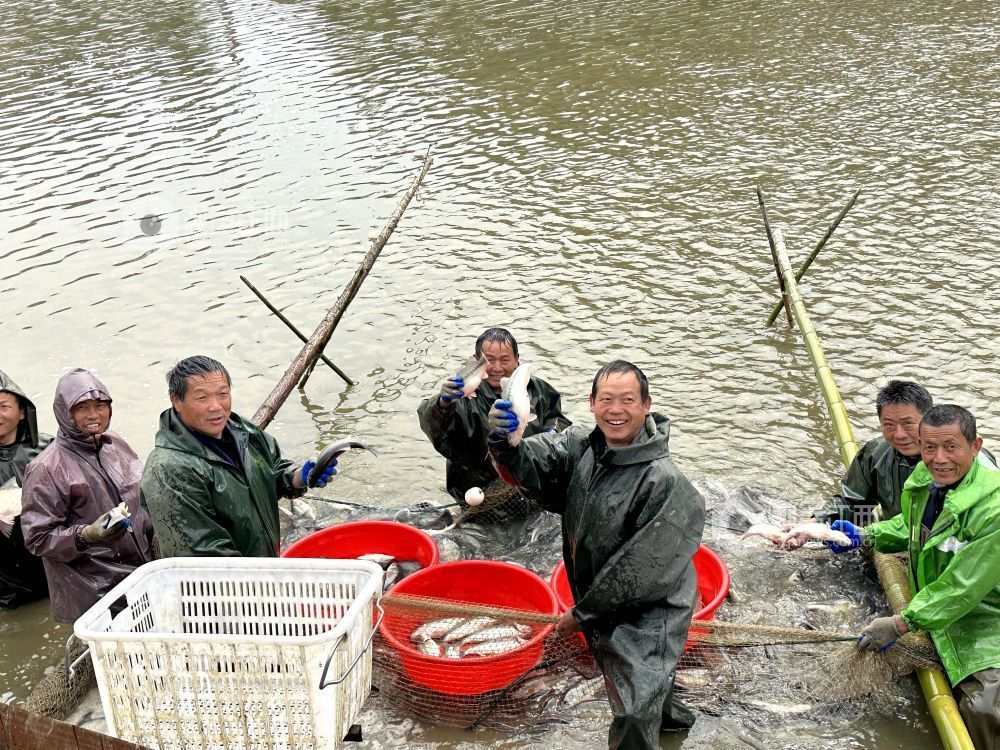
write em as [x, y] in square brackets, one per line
[326, 667]
[71, 666]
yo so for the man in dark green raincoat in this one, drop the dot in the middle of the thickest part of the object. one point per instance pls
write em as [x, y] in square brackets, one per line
[457, 426]
[212, 483]
[878, 472]
[22, 577]
[631, 526]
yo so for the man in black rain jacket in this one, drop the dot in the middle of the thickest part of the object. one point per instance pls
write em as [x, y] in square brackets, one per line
[631, 525]
[456, 426]
[22, 577]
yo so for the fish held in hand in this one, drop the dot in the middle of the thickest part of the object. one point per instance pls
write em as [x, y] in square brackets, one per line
[471, 374]
[814, 532]
[331, 453]
[768, 531]
[515, 390]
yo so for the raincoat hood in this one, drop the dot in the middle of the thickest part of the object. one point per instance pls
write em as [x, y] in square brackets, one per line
[27, 431]
[73, 387]
[650, 444]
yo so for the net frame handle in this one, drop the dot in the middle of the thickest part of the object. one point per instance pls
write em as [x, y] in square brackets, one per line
[326, 667]
[71, 666]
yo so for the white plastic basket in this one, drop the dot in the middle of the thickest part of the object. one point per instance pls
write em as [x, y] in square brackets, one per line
[234, 653]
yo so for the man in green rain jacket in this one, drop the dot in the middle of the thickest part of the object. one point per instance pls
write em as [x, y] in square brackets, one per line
[456, 426]
[631, 526]
[212, 483]
[950, 525]
[22, 578]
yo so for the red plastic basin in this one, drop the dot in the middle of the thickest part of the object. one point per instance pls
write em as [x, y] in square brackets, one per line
[497, 584]
[352, 540]
[713, 584]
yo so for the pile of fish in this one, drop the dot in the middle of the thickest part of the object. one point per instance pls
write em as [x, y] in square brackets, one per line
[794, 536]
[458, 637]
[395, 570]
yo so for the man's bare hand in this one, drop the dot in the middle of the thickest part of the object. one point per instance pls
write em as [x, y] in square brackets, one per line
[567, 623]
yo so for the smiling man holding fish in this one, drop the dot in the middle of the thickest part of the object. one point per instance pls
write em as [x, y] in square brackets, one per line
[455, 418]
[631, 525]
[213, 480]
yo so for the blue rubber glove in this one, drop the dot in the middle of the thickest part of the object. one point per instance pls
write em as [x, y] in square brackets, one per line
[451, 390]
[321, 482]
[501, 419]
[855, 533]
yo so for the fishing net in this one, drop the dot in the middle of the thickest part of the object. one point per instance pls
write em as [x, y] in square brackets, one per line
[55, 696]
[474, 666]
[501, 503]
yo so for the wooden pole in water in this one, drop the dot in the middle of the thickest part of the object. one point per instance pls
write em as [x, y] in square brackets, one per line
[774, 257]
[892, 575]
[812, 256]
[319, 338]
[348, 295]
[291, 326]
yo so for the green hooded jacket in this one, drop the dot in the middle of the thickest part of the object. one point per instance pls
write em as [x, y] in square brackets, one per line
[875, 478]
[955, 573]
[201, 504]
[458, 431]
[29, 442]
[631, 525]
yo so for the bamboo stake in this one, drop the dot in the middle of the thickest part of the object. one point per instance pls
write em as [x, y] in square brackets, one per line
[291, 326]
[337, 311]
[319, 338]
[774, 256]
[816, 250]
[943, 708]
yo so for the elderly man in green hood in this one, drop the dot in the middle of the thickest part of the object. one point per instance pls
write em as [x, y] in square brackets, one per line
[631, 525]
[22, 577]
[71, 492]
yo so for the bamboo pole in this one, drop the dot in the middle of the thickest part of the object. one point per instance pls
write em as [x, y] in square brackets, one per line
[362, 273]
[291, 326]
[937, 692]
[774, 256]
[819, 246]
[319, 338]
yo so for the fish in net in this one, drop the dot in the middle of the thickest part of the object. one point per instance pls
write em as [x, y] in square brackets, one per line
[474, 666]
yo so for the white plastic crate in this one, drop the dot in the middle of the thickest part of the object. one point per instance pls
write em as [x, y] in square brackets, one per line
[235, 653]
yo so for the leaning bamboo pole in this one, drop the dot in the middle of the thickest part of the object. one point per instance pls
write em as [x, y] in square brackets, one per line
[816, 250]
[892, 575]
[312, 349]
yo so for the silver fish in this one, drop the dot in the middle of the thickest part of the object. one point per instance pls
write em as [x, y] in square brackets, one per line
[488, 648]
[435, 629]
[515, 390]
[429, 648]
[467, 628]
[331, 453]
[453, 651]
[818, 532]
[769, 531]
[472, 375]
[382, 560]
[496, 633]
